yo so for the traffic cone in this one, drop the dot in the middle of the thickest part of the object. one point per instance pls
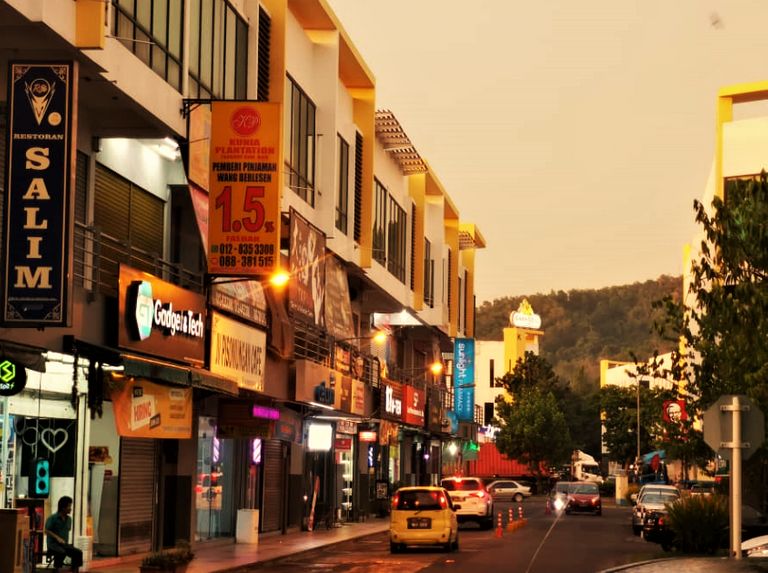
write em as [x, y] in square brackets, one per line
[521, 520]
[499, 530]
[549, 509]
[511, 525]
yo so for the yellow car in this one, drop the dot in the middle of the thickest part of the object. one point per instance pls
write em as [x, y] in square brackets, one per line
[423, 515]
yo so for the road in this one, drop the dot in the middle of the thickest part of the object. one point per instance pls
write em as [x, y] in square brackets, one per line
[547, 544]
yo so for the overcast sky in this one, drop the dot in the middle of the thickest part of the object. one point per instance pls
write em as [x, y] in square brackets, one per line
[576, 135]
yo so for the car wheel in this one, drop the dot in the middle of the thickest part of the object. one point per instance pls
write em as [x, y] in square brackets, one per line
[394, 547]
[666, 546]
[456, 541]
[567, 512]
[518, 497]
[635, 529]
[599, 512]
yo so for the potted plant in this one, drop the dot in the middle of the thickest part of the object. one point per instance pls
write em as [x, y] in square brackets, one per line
[168, 561]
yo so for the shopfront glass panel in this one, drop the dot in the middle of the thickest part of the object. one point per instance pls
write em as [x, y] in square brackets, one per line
[214, 488]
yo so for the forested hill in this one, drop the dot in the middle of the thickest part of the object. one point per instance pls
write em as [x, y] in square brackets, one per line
[582, 327]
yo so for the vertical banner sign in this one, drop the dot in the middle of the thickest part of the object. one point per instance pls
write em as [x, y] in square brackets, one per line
[37, 279]
[306, 291]
[245, 187]
[464, 374]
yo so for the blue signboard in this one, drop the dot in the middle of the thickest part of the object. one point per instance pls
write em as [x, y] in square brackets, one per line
[464, 378]
[39, 205]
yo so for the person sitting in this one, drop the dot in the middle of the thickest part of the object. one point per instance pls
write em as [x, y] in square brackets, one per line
[57, 528]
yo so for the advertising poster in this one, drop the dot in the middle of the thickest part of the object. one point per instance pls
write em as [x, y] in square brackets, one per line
[338, 310]
[245, 186]
[238, 352]
[39, 206]
[464, 372]
[146, 410]
[306, 293]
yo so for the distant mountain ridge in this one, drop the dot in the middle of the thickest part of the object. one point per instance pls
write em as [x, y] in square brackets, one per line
[582, 327]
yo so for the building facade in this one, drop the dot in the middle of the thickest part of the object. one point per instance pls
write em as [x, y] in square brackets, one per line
[168, 392]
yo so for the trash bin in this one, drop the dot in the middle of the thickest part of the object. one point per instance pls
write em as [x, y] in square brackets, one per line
[247, 526]
[85, 544]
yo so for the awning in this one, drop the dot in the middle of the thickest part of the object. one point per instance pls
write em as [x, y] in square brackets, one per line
[28, 356]
[140, 367]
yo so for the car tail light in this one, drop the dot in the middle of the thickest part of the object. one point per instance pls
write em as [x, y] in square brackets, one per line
[395, 501]
[478, 494]
[443, 502]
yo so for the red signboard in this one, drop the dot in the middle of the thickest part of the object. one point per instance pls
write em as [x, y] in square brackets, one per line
[415, 401]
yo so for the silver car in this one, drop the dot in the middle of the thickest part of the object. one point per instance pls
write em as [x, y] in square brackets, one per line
[508, 490]
[652, 497]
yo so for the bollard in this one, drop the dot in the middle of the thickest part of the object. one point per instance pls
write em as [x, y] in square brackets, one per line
[498, 527]
[521, 520]
[549, 508]
[511, 525]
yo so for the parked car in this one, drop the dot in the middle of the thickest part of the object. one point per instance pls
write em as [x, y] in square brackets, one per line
[508, 490]
[584, 497]
[423, 515]
[471, 499]
[702, 487]
[652, 497]
[656, 529]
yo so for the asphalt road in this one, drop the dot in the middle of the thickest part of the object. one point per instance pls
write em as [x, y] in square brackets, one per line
[547, 544]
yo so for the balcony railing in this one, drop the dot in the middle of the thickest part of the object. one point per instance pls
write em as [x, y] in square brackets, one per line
[97, 257]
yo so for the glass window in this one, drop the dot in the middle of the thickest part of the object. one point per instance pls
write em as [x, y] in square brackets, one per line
[396, 241]
[300, 142]
[380, 223]
[342, 201]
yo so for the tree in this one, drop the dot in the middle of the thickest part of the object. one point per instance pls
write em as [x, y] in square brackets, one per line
[533, 430]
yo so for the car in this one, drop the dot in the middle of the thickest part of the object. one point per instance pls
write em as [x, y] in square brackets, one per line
[471, 499]
[584, 497]
[508, 490]
[702, 487]
[423, 516]
[651, 497]
[558, 496]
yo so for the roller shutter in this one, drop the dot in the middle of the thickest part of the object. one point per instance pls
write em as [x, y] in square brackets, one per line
[138, 494]
[274, 486]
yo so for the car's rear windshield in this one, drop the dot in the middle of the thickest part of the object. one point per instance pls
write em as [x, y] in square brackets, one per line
[586, 488]
[462, 485]
[421, 500]
[660, 498]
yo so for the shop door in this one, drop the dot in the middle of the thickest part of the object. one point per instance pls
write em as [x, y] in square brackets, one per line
[274, 486]
[138, 495]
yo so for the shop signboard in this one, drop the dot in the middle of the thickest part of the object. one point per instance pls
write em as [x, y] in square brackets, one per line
[39, 204]
[244, 299]
[415, 402]
[238, 352]
[306, 289]
[316, 383]
[241, 419]
[391, 400]
[289, 427]
[159, 318]
[13, 379]
[464, 376]
[245, 187]
[143, 409]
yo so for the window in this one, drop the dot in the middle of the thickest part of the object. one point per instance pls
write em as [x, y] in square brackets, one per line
[413, 247]
[492, 373]
[429, 275]
[488, 412]
[448, 284]
[218, 48]
[342, 201]
[300, 142]
[152, 30]
[380, 223]
[396, 241]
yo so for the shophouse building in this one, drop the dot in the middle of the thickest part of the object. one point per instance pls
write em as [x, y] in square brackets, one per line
[171, 396]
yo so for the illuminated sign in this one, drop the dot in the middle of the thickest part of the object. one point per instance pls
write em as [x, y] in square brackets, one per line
[265, 412]
[151, 313]
[324, 395]
[13, 377]
[464, 369]
[392, 405]
[367, 436]
[524, 316]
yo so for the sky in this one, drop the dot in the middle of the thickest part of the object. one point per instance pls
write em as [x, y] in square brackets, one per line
[575, 135]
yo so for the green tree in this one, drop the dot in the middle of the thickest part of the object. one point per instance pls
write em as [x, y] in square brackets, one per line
[533, 430]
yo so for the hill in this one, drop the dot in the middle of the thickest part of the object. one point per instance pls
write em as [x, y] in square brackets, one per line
[582, 327]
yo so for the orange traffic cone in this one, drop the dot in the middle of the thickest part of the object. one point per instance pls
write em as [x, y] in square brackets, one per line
[511, 524]
[521, 520]
[499, 530]
[549, 509]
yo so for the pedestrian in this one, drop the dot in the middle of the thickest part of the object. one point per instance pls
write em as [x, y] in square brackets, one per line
[57, 528]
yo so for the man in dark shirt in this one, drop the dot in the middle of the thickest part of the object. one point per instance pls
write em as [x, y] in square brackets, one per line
[57, 528]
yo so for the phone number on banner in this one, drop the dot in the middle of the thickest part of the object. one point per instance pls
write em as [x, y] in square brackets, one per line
[246, 261]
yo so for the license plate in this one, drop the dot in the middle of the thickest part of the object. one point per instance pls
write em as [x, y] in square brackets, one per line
[419, 523]
[459, 498]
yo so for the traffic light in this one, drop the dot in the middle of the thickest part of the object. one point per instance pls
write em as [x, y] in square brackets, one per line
[40, 478]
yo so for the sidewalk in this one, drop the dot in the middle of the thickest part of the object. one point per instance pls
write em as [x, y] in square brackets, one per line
[220, 557]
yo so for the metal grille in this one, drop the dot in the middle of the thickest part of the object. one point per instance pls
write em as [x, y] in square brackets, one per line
[358, 187]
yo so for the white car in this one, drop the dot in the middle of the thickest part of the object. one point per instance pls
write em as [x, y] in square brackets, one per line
[651, 497]
[471, 500]
[508, 490]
